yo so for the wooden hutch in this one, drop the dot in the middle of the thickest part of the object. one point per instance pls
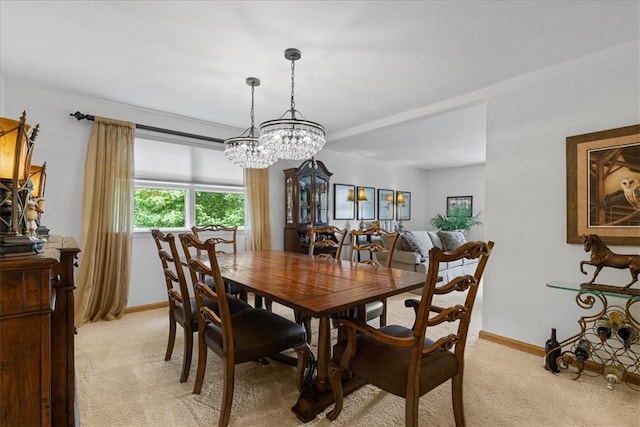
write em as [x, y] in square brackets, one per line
[306, 202]
[37, 336]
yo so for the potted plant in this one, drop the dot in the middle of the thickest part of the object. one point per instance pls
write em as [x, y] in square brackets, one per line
[458, 220]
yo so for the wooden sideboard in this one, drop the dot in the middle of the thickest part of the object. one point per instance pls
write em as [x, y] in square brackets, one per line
[37, 383]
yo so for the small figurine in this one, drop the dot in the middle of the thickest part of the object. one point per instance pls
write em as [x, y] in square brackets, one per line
[31, 216]
[602, 256]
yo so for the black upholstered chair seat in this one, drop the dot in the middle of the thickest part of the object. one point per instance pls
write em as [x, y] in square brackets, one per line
[389, 364]
[257, 333]
[235, 305]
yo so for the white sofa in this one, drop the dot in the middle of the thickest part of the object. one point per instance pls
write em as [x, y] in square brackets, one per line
[414, 261]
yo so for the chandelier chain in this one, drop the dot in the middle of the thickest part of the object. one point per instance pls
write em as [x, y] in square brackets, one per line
[253, 124]
[293, 74]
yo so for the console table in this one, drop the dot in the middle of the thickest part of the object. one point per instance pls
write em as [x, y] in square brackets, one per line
[609, 336]
[37, 336]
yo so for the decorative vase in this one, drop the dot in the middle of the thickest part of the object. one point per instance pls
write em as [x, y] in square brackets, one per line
[552, 352]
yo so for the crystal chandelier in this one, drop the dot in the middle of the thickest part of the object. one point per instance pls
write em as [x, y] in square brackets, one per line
[292, 138]
[246, 150]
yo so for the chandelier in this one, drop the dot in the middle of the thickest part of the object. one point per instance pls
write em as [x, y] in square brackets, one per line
[246, 150]
[292, 138]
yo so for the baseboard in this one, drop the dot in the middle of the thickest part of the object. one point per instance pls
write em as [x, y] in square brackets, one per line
[146, 307]
[539, 351]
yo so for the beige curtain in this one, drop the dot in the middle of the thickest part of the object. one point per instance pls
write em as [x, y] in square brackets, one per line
[257, 222]
[103, 275]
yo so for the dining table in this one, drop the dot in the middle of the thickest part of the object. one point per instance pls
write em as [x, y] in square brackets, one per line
[319, 288]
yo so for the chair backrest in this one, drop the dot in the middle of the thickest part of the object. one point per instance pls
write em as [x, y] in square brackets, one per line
[199, 271]
[173, 272]
[326, 240]
[371, 240]
[467, 285]
[223, 244]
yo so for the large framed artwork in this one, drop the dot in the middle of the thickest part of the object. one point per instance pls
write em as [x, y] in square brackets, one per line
[603, 186]
[385, 204]
[403, 205]
[366, 198]
[344, 205]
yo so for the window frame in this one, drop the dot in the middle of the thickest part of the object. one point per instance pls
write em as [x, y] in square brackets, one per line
[190, 189]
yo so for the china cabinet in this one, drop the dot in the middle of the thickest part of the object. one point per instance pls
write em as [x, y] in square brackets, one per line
[306, 202]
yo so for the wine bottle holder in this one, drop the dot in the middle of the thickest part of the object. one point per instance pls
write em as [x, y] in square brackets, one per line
[610, 337]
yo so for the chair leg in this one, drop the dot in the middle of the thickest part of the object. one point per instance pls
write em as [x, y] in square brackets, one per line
[383, 317]
[335, 375]
[172, 337]
[202, 365]
[227, 394]
[411, 410]
[456, 395]
[188, 351]
[304, 355]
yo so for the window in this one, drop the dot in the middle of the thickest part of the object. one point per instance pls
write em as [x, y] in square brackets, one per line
[176, 205]
[179, 185]
[159, 208]
[219, 208]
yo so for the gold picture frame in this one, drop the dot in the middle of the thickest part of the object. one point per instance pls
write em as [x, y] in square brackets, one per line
[603, 179]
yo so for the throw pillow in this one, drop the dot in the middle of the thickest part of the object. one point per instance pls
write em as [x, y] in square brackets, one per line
[409, 243]
[451, 240]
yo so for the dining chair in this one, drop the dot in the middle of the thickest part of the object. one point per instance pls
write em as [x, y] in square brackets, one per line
[180, 297]
[326, 241]
[245, 336]
[401, 360]
[373, 241]
[227, 236]
[226, 243]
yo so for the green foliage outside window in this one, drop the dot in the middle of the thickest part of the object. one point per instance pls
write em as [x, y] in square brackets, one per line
[155, 207]
[219, 208]
[166, 208]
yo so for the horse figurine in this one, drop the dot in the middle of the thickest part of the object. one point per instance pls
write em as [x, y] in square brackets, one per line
[602, 256]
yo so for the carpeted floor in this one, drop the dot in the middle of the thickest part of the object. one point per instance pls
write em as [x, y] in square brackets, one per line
[123, 380]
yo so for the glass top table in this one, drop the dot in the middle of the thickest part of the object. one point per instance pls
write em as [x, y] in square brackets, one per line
[575, 287]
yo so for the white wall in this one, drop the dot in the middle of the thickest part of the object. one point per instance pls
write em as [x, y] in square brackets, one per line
[525, 214]
[462, 181]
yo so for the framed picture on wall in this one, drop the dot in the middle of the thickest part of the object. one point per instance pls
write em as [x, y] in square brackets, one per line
[459, 202]
[603, 186]
[366, 200]
[344, 205]
[385, 204]
[403, 205]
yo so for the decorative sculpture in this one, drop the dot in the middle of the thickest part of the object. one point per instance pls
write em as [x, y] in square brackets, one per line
[602, 256]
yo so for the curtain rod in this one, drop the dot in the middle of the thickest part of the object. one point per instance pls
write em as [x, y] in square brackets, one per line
[80, 116]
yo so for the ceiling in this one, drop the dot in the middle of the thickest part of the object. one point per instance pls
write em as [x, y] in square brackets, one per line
[389, 80]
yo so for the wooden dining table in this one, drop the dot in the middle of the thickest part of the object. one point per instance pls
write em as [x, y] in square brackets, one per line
[318, 288]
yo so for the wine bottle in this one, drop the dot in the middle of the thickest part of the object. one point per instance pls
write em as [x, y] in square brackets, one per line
[628, 334]
[583, 349]
[552, 352]
[603, 329]
[613, 374]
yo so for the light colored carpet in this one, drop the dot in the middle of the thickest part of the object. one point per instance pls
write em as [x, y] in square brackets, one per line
[123, 380]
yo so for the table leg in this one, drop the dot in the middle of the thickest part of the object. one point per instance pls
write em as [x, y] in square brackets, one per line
[324, 353]
[315, 398]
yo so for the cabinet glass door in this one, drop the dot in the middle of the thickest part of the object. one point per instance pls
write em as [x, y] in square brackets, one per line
[304, 199]
[322, 200]
[289, 201]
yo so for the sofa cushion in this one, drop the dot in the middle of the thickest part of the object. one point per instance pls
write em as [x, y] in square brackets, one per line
[410, 244]
[451, 240]
[435, 239]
